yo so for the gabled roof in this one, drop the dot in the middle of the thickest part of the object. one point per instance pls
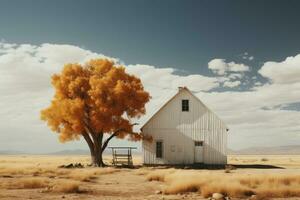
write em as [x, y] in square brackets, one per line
[170, 99]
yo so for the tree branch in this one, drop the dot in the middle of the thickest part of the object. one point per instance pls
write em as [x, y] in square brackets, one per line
[109, 138]
[115, 134]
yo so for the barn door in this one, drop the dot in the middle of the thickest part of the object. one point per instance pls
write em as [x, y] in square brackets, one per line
[199, 151]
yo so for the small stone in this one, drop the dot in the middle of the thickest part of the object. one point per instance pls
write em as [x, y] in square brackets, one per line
[157, 192]
[63, 197]
[253, 197]
[6, 176]
[217, 196]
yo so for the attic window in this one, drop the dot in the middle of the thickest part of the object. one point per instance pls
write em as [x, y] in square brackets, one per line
[185, 105]
[198, 143]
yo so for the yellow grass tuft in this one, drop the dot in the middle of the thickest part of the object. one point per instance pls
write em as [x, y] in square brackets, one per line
[82, 175]
[28, 183]
[66, 186]
[234, 185]
[142, 171]
[88, 174]
[159, 175]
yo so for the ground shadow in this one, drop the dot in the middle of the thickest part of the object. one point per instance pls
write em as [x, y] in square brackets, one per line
[192, 166]
[257, 166]
[216, 167]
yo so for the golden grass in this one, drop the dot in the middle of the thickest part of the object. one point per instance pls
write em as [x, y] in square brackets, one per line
[28, 183]
[63, 186]
[9, 168]
[142, 171]
[66, 186]
[88, 174]
[233, 185]
[81, 175]
[159, 175]
[40, 173]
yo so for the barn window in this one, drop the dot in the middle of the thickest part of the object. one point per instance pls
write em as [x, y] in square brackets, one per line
[159, 149]
[198, 143]
[173, 148]
[185, 105]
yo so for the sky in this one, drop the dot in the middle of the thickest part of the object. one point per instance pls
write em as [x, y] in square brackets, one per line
[241, 58]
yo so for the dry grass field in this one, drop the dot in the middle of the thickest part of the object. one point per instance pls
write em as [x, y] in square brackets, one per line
[38, 177]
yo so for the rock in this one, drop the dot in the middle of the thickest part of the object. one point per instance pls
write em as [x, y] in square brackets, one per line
[63, 197]
[253, 197]
[69, 166]
[76, 165]
[158, 192]
[47, 189]
[227, 198]
[217, 196]
[6, 176]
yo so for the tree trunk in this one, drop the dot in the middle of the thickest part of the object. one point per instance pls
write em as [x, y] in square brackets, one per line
[96, 149]
[96, 159]
[97, 146]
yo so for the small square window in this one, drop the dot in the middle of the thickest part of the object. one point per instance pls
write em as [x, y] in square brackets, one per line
[185, 105]
[198, 143]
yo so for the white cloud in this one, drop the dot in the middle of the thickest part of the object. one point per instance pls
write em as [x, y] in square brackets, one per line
[25, 72]
[235, 76]
[231, 84]
[246, 56]
[243, 112]
[287, 71]
[220, 66]
[25, 89]
[165, 78]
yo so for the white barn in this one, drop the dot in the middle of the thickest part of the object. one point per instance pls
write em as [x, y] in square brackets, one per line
[185, 131]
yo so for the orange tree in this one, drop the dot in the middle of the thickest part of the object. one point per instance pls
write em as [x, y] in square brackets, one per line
[95, 99]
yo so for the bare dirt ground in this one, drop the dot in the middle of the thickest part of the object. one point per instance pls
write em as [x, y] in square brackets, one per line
[38, 177]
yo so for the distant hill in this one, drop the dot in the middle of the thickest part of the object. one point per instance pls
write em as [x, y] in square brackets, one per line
[70, 152]
[281, 150]
[11, 152]
[84, 152]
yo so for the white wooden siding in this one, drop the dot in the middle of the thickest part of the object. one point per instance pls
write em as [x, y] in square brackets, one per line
[181, 129]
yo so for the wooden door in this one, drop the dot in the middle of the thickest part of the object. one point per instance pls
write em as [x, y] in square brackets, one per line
[199, 151]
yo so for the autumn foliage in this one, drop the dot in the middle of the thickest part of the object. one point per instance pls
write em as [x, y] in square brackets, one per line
[95, 99]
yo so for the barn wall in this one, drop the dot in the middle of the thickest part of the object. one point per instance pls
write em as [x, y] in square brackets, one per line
[181, 129]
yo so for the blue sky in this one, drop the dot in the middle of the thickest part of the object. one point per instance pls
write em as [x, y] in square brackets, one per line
[242, 58]
[182, 34]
